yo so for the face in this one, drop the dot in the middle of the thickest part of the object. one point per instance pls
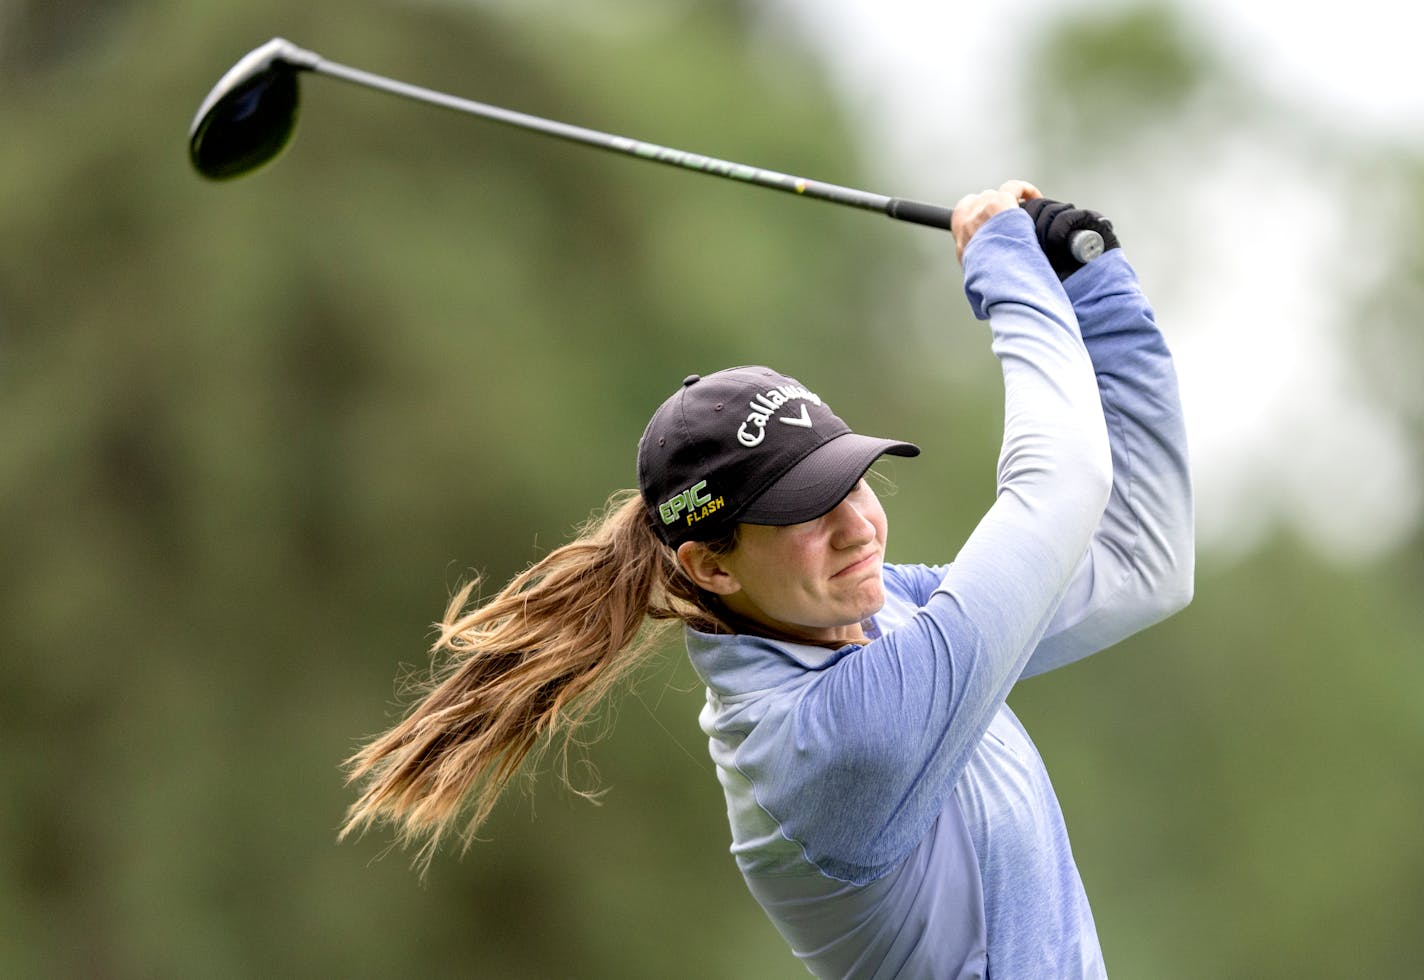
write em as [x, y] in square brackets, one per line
[820, 579]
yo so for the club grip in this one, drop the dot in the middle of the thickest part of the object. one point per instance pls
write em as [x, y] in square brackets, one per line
[920, 213]
[1084, 245]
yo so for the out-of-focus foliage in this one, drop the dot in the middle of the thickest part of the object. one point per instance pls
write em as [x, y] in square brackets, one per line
[255, 431]
[1244, 792]
[1388, 329]
[1103, 75]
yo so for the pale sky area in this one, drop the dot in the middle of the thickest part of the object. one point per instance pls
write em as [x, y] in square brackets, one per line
[1284, 432]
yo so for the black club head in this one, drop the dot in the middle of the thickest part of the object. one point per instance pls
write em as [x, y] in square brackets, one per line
[250, 114]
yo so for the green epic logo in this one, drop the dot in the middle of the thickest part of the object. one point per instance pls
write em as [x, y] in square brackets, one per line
[694, 501]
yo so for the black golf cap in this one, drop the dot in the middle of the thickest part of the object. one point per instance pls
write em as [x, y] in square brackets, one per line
[748, 445]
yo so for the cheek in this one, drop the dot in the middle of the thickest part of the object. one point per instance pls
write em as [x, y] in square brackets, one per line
[882, 525]
[767, 569]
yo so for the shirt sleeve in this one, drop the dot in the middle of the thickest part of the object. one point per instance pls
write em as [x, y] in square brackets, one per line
[1138, 567]
[884, 734]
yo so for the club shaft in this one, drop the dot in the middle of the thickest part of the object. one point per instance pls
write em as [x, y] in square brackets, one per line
[914, 211]
[1085, 245]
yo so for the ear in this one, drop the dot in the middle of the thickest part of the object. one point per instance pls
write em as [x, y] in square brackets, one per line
[707, 570]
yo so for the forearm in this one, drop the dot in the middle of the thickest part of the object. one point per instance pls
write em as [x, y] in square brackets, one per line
[1054, 466]
[1054, 456]
[1138, 567]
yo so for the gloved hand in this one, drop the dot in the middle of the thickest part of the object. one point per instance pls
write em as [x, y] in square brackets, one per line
[1055, 222]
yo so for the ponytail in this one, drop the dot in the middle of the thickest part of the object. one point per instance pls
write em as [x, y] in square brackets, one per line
[522, 670]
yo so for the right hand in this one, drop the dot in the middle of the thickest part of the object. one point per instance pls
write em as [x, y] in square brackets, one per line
[974, 209]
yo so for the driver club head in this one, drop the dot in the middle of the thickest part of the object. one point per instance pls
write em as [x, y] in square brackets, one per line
[250, 114]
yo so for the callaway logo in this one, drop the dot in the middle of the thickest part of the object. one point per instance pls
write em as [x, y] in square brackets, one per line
[764, 406]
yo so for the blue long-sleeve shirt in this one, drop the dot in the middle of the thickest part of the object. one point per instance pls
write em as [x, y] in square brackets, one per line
[887, 809]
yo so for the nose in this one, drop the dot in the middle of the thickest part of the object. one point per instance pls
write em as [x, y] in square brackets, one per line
[852, 527]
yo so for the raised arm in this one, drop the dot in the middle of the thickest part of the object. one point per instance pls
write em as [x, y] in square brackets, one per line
[883, 734]
[1138, 568]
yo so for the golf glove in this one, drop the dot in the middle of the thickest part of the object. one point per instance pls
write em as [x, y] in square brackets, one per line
[1054, 222]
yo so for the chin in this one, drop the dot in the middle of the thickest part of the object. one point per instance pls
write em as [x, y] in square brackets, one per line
[872, 606]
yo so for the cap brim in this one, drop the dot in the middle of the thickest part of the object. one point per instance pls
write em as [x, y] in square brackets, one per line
[821, 481]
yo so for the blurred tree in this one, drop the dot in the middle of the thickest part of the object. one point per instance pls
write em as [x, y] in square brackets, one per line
[1247, 771]
[1107, 74]
[257, 430]
[37, 39]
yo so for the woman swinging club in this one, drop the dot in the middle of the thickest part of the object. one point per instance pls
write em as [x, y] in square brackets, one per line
[888, 811]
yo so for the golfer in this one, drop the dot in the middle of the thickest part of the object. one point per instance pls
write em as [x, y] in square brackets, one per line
[888, 811]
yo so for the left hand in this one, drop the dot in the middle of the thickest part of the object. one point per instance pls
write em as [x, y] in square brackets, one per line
[973, 210]
[1056, 223]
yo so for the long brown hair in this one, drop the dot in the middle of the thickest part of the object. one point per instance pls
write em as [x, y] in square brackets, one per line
[521, 671]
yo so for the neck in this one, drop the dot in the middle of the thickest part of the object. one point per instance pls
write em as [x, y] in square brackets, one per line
[734, 622]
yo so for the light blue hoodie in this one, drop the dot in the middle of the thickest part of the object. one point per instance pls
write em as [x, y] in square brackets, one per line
[887, 809]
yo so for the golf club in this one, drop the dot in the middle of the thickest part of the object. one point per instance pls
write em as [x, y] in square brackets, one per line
[251, 113]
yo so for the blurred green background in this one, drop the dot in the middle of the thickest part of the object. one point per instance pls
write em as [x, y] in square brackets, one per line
[254, 434]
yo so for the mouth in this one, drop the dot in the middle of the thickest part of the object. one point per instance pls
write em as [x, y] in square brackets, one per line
[859, 565]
